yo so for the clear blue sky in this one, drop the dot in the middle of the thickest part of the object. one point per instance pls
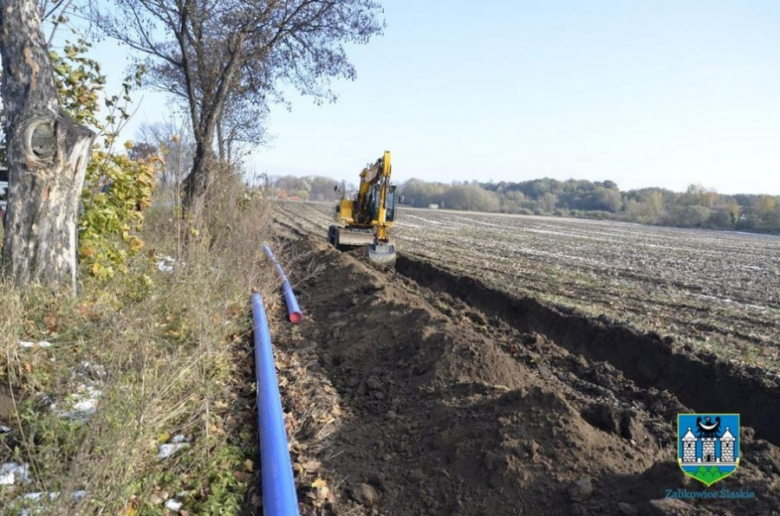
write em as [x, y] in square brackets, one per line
[645, 93]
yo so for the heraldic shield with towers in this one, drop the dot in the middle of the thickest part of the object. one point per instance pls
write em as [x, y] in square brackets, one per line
[708, 445]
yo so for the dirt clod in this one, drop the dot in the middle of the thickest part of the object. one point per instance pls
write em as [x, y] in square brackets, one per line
[365, 494]
[581, 490]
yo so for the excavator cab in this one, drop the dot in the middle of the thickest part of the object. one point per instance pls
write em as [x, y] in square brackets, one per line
[391, 204]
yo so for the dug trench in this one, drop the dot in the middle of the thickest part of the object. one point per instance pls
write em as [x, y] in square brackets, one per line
[699, 380]
[448, 410]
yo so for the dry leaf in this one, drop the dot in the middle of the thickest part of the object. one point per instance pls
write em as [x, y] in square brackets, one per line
[51, 322]
[311, 465]
[319, 483]
[130, 507]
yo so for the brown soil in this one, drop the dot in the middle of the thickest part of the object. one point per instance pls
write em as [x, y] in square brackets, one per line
[647, 359]
[449, 410]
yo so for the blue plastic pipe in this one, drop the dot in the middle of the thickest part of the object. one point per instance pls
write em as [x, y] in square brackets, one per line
[293, 310]
[279, 497]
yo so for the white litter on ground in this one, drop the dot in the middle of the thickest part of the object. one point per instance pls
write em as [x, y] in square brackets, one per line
[82, 405]
[167, 450]
[89, 368]
[166, 263]
[178, 442]
[173, 505]
[39, 344]
[11, 473]
[4, 429]
[36, 497]
[77, 495]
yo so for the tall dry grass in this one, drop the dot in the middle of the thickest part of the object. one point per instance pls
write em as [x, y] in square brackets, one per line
[171, 356]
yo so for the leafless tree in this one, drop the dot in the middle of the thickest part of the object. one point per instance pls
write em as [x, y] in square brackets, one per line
[47, 153]
[206, 51]
[173, 137]
[240, 127]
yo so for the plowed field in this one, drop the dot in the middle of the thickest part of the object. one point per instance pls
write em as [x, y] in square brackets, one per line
[718, 291]
[516, 365]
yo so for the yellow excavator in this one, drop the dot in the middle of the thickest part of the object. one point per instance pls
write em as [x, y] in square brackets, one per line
[367, 218]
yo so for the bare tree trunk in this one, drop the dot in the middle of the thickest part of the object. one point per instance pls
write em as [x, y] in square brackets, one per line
[220, 139]
[205, 124]
[230, 139]
[47, 156]
[198, 182]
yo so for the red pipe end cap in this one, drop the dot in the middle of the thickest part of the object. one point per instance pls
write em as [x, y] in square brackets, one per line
[296, 317]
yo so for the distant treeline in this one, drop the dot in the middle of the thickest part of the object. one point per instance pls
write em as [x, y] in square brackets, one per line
[309, 188]
[696, 207]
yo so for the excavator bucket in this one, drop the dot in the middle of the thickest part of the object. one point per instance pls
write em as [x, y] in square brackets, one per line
[382, 254]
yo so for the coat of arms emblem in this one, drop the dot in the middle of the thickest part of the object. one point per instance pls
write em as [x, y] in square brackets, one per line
[708, 445]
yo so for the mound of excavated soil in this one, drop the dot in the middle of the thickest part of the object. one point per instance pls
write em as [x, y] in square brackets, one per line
[451, 411]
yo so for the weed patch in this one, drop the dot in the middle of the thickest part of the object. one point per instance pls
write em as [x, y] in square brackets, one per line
[139, 361]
